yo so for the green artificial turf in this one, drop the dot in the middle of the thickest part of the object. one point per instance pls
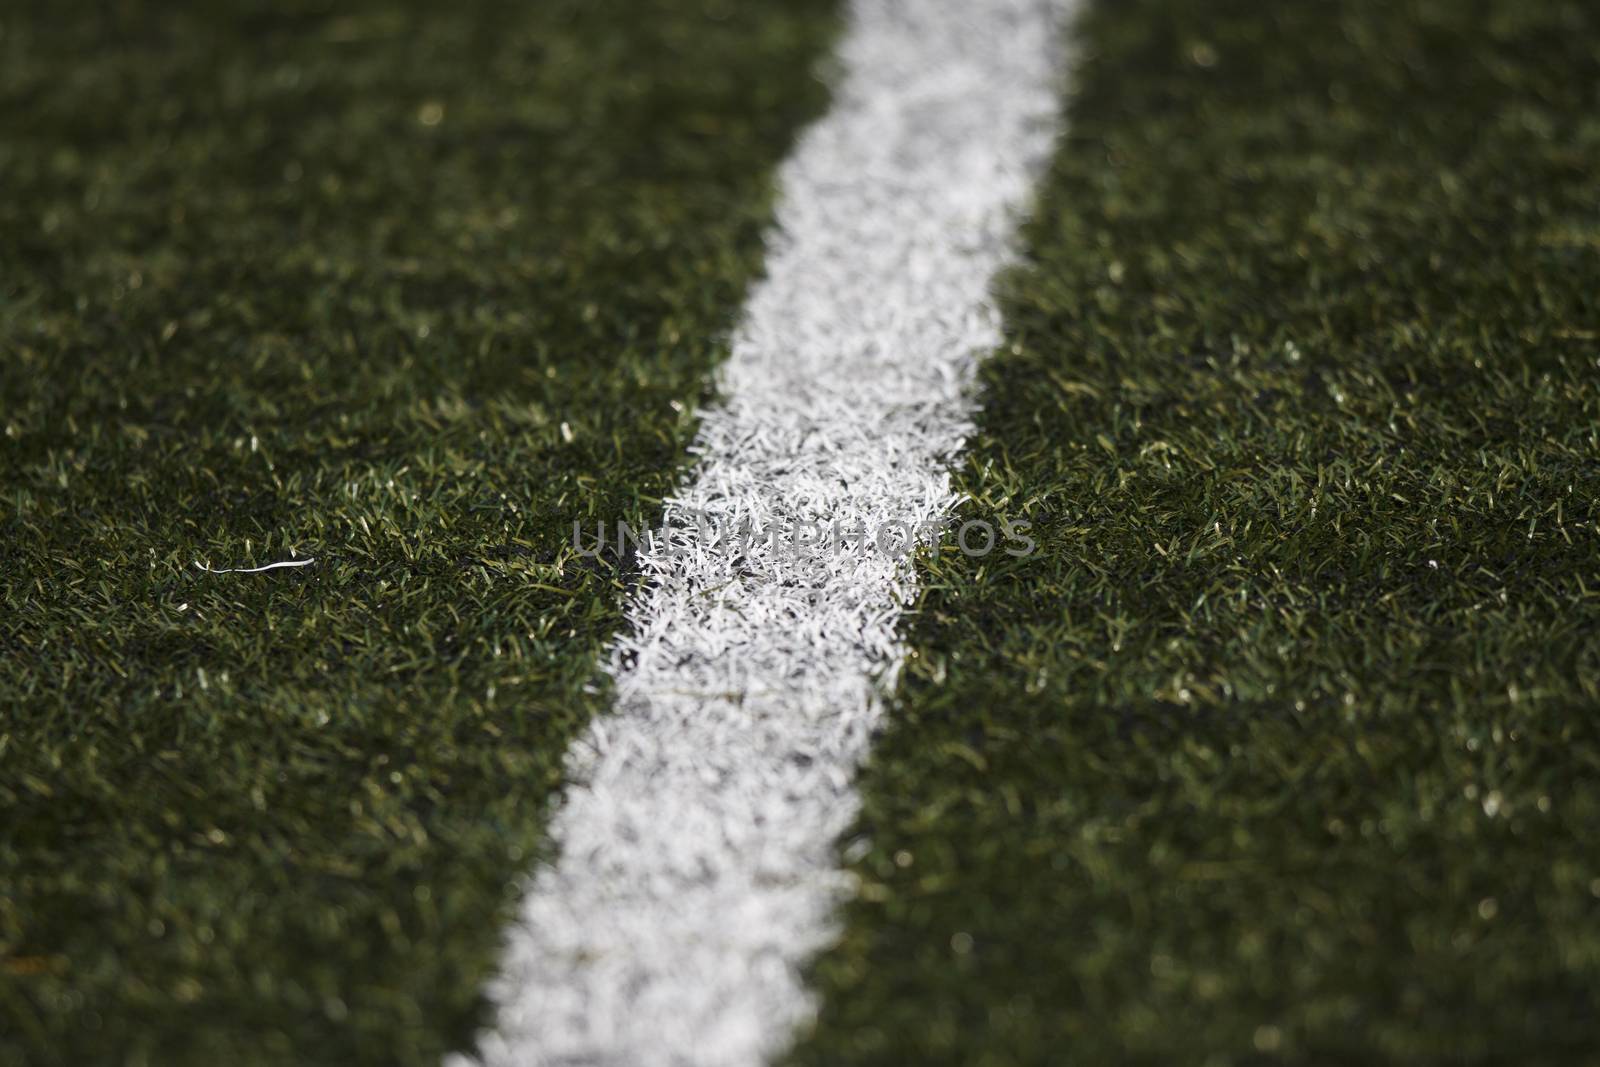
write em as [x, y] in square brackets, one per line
[1285, 747]
[406, 287]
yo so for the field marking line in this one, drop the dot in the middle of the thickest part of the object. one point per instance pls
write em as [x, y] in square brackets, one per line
[697, 868]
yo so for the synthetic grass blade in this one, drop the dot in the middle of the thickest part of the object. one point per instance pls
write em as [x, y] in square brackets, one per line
[697, 871]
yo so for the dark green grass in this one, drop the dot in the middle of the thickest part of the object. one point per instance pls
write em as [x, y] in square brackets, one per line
[406, 287]
[1286, 746]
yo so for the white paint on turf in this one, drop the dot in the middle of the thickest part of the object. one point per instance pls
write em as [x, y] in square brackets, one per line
[697, 869]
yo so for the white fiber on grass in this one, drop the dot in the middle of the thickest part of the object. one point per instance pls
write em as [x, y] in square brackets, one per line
[254, 570]
[697, 870]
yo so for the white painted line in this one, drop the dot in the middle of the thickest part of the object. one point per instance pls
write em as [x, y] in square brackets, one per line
[254, 570]
[697, 869]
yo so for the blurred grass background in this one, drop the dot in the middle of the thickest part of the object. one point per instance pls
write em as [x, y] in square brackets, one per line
[404, 287]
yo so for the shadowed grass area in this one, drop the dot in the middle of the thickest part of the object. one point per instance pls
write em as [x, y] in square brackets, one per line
[1284, 746]
[403, 287]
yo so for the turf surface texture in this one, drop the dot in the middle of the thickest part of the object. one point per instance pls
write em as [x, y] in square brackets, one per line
[1281, 749]
[407, 288]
